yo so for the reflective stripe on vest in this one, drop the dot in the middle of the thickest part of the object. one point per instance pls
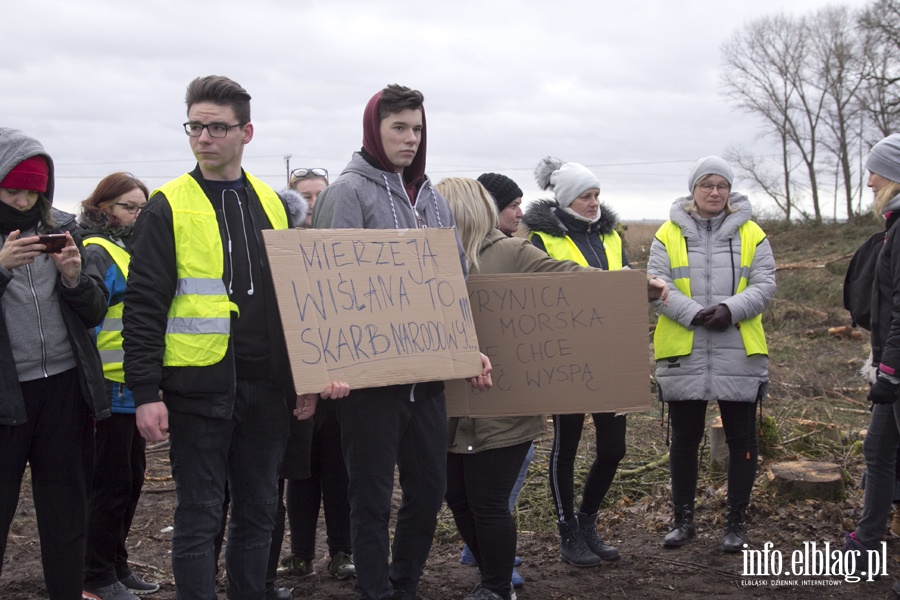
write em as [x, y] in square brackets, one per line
[199, 318]
[109, 338]
[563, 248]
[673, 339]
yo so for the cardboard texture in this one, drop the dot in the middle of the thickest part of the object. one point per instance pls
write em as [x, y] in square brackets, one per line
[372, 307]
[559, 343]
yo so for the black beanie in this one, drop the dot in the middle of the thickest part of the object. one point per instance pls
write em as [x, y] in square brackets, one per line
[502, 188]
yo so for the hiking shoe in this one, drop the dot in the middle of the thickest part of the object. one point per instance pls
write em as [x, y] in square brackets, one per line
[480, 592]
[517, 580]
[588, 524]
[138, 586]
[294, 566]
[466, 557]
[113, 591]
[682, 528]
[341, 566]
[733, 540]
[572, 547]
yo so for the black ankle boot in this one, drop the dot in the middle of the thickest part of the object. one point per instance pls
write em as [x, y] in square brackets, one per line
[683, 526]
[733, 541]
[572, 547]
[588, 525]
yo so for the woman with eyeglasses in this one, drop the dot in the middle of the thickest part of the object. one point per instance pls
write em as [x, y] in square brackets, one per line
[108, 216]
[709, 342]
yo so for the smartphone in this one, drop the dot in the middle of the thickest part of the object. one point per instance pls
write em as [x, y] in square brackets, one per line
[55, 242]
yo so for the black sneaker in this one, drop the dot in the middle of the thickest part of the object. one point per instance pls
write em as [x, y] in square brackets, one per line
[138, 586]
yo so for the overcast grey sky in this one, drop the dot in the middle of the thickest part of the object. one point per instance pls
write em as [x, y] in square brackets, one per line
[630, 89]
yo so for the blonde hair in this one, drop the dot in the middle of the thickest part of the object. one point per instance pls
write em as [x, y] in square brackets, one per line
[884, 196]
[475, 213]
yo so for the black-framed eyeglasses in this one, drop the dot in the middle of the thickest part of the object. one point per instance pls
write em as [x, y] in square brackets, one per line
[306, 173]
[131, 209]
[216, 130]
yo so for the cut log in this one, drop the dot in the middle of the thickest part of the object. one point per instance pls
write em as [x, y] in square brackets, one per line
[800, 480]
[718, 449]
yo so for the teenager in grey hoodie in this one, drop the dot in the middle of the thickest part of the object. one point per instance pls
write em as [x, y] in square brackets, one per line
[385, 187]
[51, 381]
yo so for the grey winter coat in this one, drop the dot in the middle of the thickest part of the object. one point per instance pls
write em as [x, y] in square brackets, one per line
[718, 367]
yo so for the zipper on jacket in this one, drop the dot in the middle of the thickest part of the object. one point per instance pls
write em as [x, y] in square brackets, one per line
[40, 321]
[587, 236]
[709, 296]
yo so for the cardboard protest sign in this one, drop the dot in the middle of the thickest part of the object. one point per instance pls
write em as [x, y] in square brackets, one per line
[372, 307]
[559, 343]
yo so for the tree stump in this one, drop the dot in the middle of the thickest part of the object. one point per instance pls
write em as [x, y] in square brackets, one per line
[798, 480]
[718, 449]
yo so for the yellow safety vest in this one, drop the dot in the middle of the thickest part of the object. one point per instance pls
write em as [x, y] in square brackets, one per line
[109, 339]
[199, 319]
[672, 338]
[563, 248]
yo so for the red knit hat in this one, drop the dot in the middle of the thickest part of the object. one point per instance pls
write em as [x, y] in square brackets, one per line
[30, 174]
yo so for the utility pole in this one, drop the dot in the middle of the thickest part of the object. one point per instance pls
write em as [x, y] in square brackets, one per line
[287, 167]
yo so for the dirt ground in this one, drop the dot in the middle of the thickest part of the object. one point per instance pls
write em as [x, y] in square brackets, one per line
[646, 570]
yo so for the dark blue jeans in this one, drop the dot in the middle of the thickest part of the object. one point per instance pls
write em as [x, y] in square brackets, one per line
[244, 451]
[381, 428]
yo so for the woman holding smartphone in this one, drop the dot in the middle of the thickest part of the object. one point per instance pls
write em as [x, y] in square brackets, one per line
[108, 215]
[51, 381]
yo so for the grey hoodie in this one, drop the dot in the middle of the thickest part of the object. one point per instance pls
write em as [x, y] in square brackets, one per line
[365, 197]
[30, 304]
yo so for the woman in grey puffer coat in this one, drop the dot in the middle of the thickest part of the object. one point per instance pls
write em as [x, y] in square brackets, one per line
[709, 342]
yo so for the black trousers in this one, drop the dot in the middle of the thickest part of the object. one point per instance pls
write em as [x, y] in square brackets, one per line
[478, 488]
[119, 467]
[610, 443]
[327, 485]
[57, 442]
[688, 425]
[380, 429]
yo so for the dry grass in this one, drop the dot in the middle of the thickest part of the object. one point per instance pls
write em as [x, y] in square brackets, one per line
[814, 384]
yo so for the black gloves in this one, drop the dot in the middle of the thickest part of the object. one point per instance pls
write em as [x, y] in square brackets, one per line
[883, 391]
[716, 318]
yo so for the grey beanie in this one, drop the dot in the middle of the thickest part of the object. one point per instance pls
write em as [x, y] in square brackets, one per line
[884, 158]
[710, 165]
[566, 180]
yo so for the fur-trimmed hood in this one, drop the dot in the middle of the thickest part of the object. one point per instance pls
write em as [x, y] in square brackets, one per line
[298, 206]
[543, 216]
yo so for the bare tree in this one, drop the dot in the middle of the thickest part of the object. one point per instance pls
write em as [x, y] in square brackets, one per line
[880, 98]
[767, 73]
[837, 68]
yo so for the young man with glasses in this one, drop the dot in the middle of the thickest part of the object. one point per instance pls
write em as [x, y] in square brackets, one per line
[385, 187]
[201, 325]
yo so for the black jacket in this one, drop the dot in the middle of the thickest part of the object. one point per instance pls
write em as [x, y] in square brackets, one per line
[207, 391]
[885, 310]
[83, 307]
[545, 216]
